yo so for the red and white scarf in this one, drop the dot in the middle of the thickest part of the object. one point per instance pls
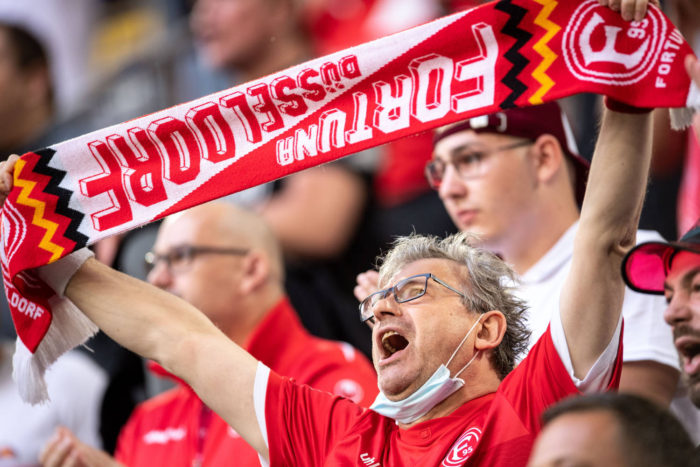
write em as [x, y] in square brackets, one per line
[500, 55]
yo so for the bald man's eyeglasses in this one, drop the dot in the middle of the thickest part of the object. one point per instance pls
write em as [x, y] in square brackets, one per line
[179, 258]
[468, 164]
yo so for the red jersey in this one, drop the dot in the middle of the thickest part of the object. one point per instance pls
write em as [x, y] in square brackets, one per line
[310, 428]
[175, 428]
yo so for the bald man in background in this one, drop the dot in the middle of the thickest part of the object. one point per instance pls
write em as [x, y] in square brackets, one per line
[226, 262]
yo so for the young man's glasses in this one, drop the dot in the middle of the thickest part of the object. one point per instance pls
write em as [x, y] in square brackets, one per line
[404, 291]
[468, 164]
[179, 258]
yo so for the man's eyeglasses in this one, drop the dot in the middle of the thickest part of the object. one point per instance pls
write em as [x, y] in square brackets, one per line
[468, 164]
[179, 258]
[405, 290]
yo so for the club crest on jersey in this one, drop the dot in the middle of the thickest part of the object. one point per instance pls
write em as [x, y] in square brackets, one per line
[463, 448]
[598, 49]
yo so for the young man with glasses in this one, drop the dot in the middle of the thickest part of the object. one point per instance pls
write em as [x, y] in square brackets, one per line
[425, 415]
[225, 262]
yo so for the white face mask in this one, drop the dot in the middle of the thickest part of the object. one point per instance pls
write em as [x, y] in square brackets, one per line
[435, 390]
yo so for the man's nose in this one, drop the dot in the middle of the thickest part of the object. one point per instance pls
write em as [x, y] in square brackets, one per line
[678, 309]
[160, 275]
[386, 307]
[452, 184]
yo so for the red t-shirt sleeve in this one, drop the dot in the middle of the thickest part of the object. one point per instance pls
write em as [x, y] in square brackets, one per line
[303, 423]
[542, 380]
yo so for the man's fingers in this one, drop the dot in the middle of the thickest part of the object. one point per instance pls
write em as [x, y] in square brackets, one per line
[73, 459]
[56, 451]
[614, 4]
[641, 8]
[7, 169]
[367, 283]
[628, 9]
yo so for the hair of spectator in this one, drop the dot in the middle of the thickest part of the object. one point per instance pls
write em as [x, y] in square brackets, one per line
[29, 54]
[487, 282]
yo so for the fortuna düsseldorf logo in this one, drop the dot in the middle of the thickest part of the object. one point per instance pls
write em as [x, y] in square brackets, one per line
[463, 448]
[597, 49]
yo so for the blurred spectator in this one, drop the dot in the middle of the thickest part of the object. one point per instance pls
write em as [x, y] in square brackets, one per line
[43, 68]
[43, 75]
[63, 30]
[76, 386]
[601, 430]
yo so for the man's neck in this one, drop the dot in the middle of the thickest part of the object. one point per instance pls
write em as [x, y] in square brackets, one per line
[525, 247]
[254, 310]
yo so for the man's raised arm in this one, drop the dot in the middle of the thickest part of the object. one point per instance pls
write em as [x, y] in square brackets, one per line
[157, 325]
[591, 300]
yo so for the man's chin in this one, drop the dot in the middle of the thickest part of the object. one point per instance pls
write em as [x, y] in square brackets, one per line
[395, 390]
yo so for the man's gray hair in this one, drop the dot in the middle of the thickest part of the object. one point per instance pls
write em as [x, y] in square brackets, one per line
[486, 281]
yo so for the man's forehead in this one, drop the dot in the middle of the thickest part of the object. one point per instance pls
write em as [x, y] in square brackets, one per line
[465, 140]
[179, 229]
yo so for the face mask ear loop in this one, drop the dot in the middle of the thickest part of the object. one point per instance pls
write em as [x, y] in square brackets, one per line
[476, 354]
[460, 346]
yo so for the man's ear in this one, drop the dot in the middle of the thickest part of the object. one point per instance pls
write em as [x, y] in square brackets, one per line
[493, 328]
[548, 157]
[256, 271]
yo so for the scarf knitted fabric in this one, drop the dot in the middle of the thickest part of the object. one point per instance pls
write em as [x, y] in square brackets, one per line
[499, 55]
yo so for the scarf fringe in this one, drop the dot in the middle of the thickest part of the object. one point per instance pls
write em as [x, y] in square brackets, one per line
[681, 118]
[69, 328]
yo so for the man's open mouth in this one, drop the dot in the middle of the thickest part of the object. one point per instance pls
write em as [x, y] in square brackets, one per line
[392, 342]
[689, 350]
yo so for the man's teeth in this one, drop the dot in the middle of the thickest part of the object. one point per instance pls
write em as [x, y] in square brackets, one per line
[386, 344]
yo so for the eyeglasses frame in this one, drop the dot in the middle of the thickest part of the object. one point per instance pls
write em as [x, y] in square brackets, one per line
[392, 289]
[484, 153]
[151, 259]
